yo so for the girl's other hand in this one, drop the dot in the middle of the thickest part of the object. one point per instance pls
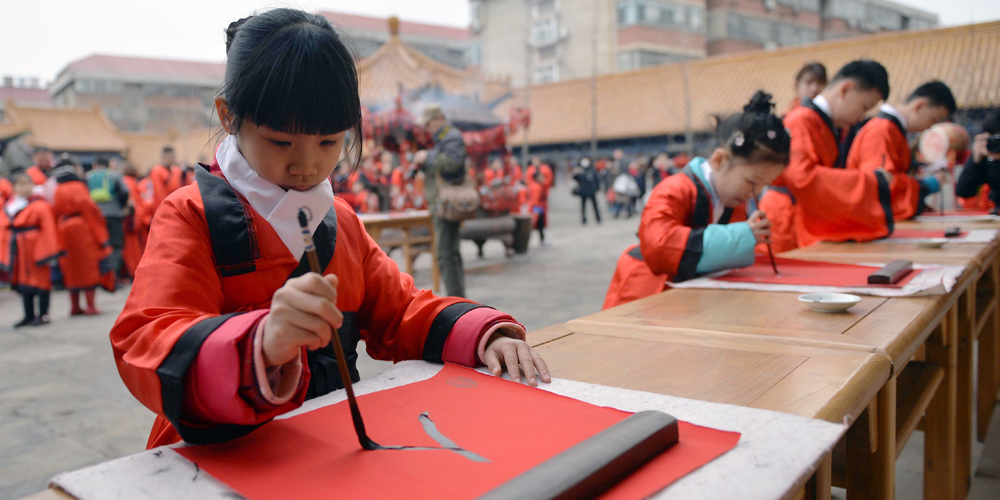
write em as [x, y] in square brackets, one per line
[760, 226]
[303, 314]
[503, 351]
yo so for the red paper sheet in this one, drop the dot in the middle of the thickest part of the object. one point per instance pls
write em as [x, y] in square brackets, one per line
[515, 427]
[916, 234]
[804, 272]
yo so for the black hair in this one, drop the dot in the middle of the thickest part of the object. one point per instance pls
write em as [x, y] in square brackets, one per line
[813, 69]
[992, 123]
[40, 149]
[168, 149]
[102, 161]
[866, 74]
[937, 94]
[291, 71]
[16, 173]
[756, 134]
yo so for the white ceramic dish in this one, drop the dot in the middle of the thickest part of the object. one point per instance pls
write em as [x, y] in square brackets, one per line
[932, 243]
[829, 302]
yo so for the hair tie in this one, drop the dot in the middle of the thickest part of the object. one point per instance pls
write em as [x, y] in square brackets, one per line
[772, 135]
[739, 140]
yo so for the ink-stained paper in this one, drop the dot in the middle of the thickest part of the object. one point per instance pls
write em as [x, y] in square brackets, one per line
[514, 427]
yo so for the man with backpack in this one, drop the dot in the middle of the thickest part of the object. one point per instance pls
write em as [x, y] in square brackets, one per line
[108, 190]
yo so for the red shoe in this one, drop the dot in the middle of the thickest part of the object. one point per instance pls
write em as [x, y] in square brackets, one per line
[77, 312]
[91, 312]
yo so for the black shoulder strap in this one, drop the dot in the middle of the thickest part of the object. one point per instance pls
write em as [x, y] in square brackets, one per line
[230, 225]
[702, 205]
[847, 142]
[727, 214]
[895, 121]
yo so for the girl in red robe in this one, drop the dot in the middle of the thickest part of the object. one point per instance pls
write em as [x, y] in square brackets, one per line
[226, 327]
[695, 222]
[84, 236]
[133, 223]
[29, 245]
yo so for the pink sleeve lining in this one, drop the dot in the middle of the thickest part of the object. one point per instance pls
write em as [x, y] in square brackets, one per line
[212, 384]
[278, 383]
[512, 330]
[466, 341]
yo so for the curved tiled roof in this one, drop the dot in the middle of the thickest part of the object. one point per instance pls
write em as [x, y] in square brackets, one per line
[66, 129]
[395, 63]
[652, 102]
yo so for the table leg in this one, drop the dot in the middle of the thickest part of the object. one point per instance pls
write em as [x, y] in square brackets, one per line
[407, 252]
[965, 391]
[871, 472]
[820, 484]
[989, 377]
[435, 272]
[940, 420]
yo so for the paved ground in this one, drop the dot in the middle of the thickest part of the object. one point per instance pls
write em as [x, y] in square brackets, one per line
[63, 406]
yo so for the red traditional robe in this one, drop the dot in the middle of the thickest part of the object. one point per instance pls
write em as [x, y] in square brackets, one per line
[29, 245]
[547, 175]
[37, 175]
[135, 226]
[6, 191]
[826, 202]
[83, 233]
[183, 341]
[670, 239]
[164, 181]
[883, 137]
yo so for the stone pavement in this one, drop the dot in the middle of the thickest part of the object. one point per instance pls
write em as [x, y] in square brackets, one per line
[63, 405]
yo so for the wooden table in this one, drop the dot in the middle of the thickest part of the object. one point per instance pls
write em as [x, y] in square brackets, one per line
[405, 222]
[815, 382]
[896, 328]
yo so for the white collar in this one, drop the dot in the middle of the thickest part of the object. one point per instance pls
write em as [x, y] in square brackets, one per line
[717, 207]
[15, 205]
[891, 111]
[823, 105]
[279, 207]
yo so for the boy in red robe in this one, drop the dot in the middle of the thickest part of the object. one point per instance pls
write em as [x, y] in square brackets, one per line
[84, 234]
[39, 172]
[28, 247]
[135, 230]
[815, 198]
[881, 143]
[165, 178]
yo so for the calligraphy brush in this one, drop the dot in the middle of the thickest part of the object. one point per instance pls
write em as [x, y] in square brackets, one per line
[770, 253]
[345, 377]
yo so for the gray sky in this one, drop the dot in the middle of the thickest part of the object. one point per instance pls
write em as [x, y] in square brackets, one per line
[39, 37]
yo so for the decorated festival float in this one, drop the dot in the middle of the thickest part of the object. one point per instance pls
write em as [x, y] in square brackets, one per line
[397, 82]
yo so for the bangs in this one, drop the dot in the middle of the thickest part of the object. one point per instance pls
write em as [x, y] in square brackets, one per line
[303, 81]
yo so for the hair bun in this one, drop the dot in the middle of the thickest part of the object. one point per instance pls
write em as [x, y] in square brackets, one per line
[760, 104]
[232, 29]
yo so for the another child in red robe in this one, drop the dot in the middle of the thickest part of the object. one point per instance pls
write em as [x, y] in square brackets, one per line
[83, 234]
[695, 222]
[538, 201]
[809, 82]
[29, 245]
[166, 177]
[226, 327]
[39, 172]
[135, 227]
[815, 200]
[881, 143]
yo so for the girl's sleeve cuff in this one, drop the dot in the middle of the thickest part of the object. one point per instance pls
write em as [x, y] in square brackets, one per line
[466, 343]
[277, 384]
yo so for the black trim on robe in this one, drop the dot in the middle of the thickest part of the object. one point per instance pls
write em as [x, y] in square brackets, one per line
[636, 253]
[837, 136]
[172, 372]
[895, 121]
[885, 199]
[702, 217]
[441, 328]
[727, 214]
[230, 225]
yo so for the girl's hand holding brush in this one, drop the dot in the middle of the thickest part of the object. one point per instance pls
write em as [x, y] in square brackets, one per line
[303, 314]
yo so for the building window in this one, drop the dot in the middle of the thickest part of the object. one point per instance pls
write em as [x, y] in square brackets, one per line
[666, 15]
[475, 54]
[635, 59]
[751, 30]
[475, 16]
[543, 8]
[547, 53]
[546, 74]
[545, 32]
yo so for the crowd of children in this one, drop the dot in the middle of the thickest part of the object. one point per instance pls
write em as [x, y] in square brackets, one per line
[822, 173]
[77, 228]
